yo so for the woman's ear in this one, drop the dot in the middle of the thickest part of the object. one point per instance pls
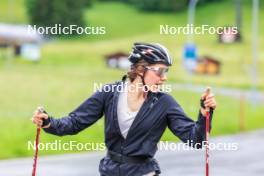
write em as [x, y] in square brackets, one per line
[140, 70]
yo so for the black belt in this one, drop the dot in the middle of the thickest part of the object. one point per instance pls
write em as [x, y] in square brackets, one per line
[127, 159]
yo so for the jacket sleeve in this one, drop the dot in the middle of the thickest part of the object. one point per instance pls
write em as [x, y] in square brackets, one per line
[85, 115]
[189, 131]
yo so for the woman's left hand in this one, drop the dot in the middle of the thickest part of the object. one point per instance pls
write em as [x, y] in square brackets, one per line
[209, 100]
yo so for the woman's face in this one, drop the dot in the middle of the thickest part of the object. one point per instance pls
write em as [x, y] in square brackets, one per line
[155, 76]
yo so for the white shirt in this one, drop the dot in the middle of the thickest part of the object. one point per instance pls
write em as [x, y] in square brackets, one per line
[124, 114]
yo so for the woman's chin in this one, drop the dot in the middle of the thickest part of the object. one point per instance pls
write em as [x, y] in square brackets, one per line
[155, 89]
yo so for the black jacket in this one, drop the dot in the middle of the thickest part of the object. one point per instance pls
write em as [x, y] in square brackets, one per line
[158, 112]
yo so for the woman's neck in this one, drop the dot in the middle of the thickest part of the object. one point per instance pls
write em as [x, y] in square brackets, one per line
[135, 89]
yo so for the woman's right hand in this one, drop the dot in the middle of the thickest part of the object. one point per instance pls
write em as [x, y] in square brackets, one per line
[38, 117]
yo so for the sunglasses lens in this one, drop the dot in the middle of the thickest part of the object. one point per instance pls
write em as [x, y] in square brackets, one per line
[162, 71]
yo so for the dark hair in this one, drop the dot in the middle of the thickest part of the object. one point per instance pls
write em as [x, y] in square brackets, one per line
[136, 68]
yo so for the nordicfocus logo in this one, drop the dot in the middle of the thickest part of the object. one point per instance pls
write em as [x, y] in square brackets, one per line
[196, 30]
[58, 145]
[100, 87]
[58, 29]
[220, 146]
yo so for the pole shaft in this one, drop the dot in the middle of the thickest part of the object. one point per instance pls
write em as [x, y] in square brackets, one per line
[207, 143]
[36, 153]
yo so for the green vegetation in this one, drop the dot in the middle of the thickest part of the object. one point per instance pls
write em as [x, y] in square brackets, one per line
[13, 11]
[51, 12]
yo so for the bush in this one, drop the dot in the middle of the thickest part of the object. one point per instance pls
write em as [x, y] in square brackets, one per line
[51, 12]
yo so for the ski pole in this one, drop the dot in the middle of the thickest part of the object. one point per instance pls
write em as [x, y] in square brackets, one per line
[41, 110]
[36, 153]
[207, 142]
[207, 122]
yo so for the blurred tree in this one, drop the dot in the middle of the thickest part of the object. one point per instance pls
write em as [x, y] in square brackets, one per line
[205, 1]
[51, 12]
[160, 5]
[108, 0]
[164, 5]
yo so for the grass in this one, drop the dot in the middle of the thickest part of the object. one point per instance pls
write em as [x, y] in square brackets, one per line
[65, 75]
[13, 11]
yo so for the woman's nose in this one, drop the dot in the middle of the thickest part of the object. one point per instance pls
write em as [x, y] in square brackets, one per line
[164, 77]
